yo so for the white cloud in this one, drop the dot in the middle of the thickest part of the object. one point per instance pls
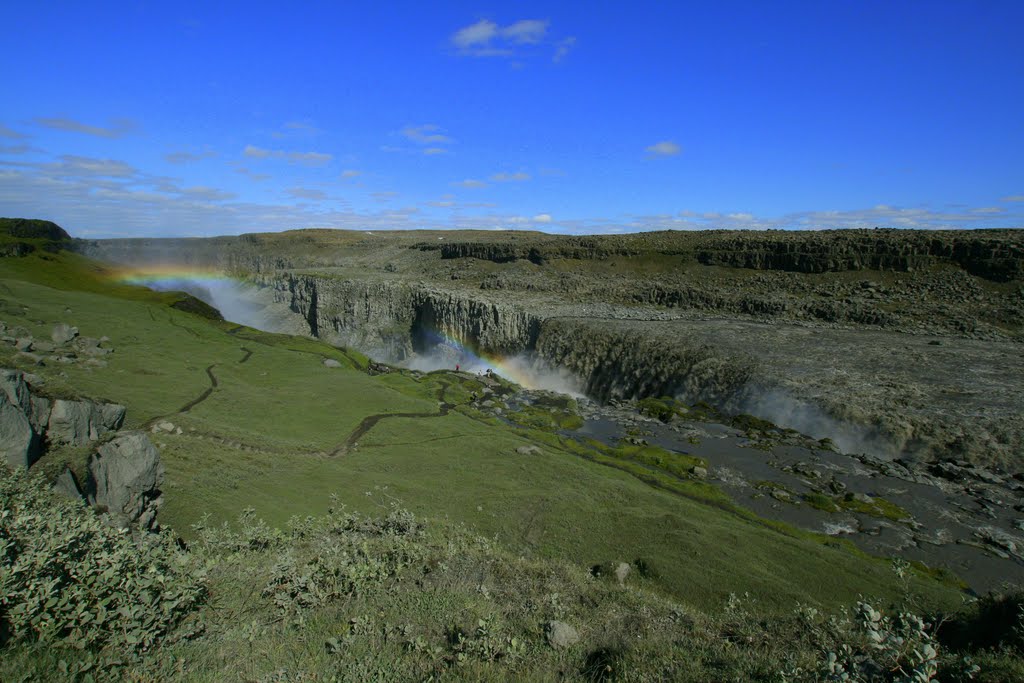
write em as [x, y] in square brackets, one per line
[665, 148]
[351, 173]
[6, 132]
[526, 31]
[431, 151]
[118, 128]
[486, 38]
[563, 48]
[542, 218]
[988, 209]
[427, 134]
[479, 33]
[1013, 198]
[303, 158]
[471, 183]
[510, 177]
[384, 196]
[254, 152]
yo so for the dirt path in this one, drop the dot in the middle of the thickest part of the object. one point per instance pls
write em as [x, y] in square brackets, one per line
[371, 421]
[203, 396]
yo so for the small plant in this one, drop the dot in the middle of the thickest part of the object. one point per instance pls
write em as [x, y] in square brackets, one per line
[67, 578]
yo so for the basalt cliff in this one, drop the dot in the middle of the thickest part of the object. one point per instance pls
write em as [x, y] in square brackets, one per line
[897, 343]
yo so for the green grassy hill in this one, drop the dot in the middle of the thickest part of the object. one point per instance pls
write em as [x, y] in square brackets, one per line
[266, 425]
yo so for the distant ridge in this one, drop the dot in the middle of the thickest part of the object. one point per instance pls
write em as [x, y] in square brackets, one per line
[33, 228]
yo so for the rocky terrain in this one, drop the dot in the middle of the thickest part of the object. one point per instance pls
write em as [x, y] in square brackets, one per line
[894, 343]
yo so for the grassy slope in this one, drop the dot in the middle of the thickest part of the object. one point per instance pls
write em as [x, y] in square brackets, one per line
[261, 439]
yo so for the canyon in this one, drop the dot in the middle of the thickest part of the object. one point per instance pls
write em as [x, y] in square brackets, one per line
[899, 344]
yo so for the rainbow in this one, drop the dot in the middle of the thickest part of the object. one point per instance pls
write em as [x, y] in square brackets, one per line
[470, 360]
[167, 274]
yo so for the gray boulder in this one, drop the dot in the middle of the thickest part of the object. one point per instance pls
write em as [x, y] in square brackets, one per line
[561, 634]
[19, 444]
[40, 415]
[528, 450]
[63, 333]
[12, 382]
[331, 363]
[79, 422]
[125, 475]
[67, 485]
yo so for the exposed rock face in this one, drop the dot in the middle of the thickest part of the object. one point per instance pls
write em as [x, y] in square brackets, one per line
[770, 323]
[395, 320]
[125, 475]
[20, 440]
[27, 420]
[81, 422]
[67, 485]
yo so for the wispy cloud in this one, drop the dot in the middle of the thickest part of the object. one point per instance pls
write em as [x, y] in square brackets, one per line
[486, 38]
[306, 193]
[665, 148]
[184, 157]
[350, 173]
[427, 134]
[118, 128]
[530, 31]
[303, 158]
[471, 183]
[296, 129]
[563, 47]
[510, 177]
[542, 218]
[989, 209]
[17, 149]
[6, 132]
[72, 166]
[211, 194]
[251, 175]
[1013, 198]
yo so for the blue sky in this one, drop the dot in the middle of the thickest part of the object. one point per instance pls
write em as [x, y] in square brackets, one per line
[159, 118]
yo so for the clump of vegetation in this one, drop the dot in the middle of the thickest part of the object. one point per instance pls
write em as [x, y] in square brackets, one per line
[748, 423]
[664, 408]
[372, 597]
[550, 419]
[877, 507]
[679, 464]
[820, 501]
[67, 579]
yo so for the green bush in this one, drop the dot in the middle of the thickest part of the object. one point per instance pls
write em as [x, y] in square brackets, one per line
[66, 576]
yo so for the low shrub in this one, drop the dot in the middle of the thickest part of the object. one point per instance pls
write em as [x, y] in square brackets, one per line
[68, 578]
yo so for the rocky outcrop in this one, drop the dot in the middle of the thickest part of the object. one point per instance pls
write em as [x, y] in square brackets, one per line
[33, 228]
[81, 422]
[124, 480]
[28, 421]
[992, 254]
[20, 435]
[391, 321]
[616, 360]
